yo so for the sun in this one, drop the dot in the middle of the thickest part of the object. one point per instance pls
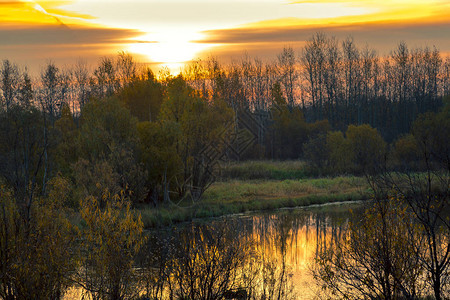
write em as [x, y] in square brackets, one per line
[170, 48]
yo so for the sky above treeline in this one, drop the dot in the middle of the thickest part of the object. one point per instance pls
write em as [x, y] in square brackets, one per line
[168, 32]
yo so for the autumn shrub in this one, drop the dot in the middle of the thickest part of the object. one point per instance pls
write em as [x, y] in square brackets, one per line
[111, 238]
[361, 150]
[37, 252]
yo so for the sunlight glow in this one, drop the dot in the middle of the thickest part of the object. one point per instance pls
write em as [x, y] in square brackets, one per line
[171, 29]
[169, 46]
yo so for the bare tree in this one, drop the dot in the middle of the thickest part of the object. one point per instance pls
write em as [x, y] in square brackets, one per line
[106, 77]
[126, 68]
[50, 96]
[81, 77]
[288, 73]
[313, 62]
[9, 82]
[25, 94]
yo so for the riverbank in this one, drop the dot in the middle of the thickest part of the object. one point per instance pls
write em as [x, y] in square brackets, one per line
[241, 194]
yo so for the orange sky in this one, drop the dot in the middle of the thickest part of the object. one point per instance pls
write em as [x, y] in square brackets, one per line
[172, 32]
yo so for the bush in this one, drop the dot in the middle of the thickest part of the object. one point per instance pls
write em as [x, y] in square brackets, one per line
[38, 253]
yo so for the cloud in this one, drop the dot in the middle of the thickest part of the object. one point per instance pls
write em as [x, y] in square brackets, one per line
[57, 35]
[383, 36]
[33, 45]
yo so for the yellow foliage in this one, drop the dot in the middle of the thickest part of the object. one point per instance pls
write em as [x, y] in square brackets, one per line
[39, 253]
[111, 238]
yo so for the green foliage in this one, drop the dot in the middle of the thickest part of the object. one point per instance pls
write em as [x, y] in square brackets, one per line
[339, 159]
[431, 133]
[66, 133]
[406, 153]
[159, 154]
[427, 146]
[22, 146]
[290, 129]
[108, 151]
[366, 147]
[362, 150]
[104, 123]
[315, 151]
[143, 97]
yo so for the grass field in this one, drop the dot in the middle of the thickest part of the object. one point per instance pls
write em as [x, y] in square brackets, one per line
[268, 170]
[252, 186]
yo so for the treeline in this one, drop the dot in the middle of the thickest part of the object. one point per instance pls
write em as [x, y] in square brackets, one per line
[336, 81]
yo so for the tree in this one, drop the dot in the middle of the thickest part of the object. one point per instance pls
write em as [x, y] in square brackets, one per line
[352, 83]
[315, 151]
[157, 142]
[9, 83]
[106, 78]
[22, 149]
[367, 148]
[51, 98]
[126, 68]
[143, 97]
[288, 73]
[203, 126]
[65, 134]
[81, 77]
[108, 150]
[313, 62]
[289, 128]
[208, 263]
[25, 93]
[406, 154]
[339, 159]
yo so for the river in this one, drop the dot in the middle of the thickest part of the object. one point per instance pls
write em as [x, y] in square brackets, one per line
[287, 237]
[285, 242]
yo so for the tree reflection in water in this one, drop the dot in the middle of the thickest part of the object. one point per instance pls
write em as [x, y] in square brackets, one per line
[259, 256]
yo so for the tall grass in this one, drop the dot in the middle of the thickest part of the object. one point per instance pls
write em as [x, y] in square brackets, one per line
[234, 190]
[268, 170]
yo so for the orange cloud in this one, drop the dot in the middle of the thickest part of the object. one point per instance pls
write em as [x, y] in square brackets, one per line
[384, 37]
[419, 23]
[32, 32]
